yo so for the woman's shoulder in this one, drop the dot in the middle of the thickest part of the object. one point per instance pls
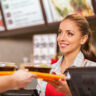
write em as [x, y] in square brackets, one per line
[57, 63]
[90, 63]
[56, 66]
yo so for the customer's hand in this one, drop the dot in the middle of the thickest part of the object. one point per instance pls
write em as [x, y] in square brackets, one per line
[22, 78]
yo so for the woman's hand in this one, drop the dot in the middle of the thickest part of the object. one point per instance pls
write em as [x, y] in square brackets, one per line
[60, 85]
[22, 78]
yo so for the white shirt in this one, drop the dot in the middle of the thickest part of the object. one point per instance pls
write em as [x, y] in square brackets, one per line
[78, 62]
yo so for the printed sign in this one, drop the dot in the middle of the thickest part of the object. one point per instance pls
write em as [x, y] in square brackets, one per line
[44, 48]
[2, 27]
[22, 13]
[56, 10]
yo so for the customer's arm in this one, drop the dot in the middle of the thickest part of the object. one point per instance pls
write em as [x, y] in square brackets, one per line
[6, 83]
[19, 79]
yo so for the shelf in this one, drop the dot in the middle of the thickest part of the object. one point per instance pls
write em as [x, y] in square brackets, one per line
[47, 28]
[30, 30]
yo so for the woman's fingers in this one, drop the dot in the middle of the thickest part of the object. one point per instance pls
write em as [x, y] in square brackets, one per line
[51, 81]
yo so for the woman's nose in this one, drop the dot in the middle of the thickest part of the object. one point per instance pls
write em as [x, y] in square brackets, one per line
[63, 37]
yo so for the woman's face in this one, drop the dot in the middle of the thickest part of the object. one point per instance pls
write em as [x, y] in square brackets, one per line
[69, 37]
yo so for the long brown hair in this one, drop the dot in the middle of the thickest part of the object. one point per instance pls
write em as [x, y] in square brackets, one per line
[83, 25]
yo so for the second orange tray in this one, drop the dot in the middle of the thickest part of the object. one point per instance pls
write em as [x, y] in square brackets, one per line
[41, 75]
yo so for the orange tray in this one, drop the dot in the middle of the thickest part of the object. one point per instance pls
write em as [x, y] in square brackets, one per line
[41, 75]
[6, 72]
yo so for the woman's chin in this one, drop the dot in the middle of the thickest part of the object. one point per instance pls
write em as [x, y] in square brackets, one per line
[65, 51]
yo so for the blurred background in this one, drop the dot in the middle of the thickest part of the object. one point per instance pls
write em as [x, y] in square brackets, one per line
[28, 28]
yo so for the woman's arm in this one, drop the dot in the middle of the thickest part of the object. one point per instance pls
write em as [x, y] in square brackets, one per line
[61, 86]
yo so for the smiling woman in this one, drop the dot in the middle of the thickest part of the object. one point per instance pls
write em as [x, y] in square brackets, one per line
[74, 40]
[82, 29]
[68, 36]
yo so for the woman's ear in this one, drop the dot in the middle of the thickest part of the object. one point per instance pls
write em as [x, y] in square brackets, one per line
[84, 39]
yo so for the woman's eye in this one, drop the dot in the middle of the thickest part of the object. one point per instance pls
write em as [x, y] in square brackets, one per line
[59, 32]
[71, 34]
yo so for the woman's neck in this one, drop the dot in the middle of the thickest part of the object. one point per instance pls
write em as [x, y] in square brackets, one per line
[68, 60]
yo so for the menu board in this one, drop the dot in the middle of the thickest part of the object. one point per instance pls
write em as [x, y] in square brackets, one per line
[22, 13]
[2, 27]
[94, 5]
[44, 48]
[56, 10]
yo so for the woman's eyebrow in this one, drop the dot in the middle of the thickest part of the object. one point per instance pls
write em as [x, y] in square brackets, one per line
[70, 31]
[59, 30]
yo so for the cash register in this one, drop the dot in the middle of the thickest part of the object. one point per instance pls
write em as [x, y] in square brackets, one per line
[21, 92]
[82, 81]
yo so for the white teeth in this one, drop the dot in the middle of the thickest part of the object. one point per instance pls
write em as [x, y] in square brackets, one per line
[63, 45]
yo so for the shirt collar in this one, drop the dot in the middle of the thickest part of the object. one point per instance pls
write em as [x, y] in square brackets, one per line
[79, 60]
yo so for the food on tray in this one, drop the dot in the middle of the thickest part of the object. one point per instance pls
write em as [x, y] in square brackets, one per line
[42, 71]
[5, 66]
[39, 68]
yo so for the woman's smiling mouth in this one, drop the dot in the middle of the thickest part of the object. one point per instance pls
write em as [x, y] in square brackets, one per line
[63, 45]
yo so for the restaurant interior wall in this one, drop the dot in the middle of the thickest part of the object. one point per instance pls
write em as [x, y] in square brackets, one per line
[15, 48]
